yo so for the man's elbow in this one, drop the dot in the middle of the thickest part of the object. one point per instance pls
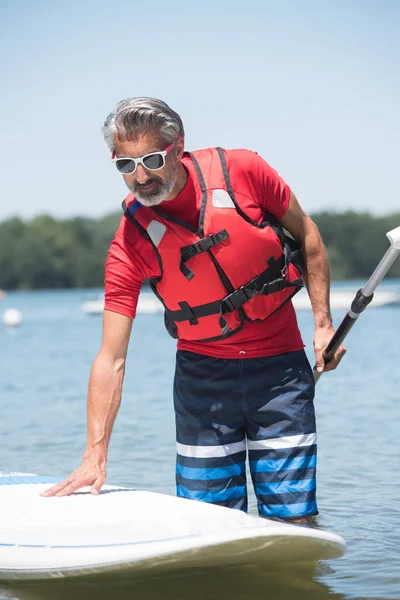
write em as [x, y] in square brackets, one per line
[107, 362]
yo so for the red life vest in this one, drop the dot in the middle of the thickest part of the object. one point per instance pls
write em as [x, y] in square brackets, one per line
[231, 269]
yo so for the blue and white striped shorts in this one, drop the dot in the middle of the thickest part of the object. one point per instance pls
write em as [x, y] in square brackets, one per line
[224, 407]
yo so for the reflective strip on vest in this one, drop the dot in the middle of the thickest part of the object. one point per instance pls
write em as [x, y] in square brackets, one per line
[156, 231]
[221, 199]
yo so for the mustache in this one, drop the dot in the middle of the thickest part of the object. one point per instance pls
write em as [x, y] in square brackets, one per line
[139, 186]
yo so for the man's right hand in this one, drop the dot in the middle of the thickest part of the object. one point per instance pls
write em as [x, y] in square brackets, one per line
[89, 473]
[104, 397]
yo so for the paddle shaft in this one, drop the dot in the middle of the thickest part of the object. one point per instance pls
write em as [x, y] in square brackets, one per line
[363, 297]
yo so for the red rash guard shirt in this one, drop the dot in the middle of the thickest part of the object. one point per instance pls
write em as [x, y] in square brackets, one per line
[131, 259]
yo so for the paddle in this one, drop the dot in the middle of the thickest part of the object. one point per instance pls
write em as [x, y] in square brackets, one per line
[363, 297]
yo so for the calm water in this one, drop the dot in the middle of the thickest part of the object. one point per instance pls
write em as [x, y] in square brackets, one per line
[44, 372]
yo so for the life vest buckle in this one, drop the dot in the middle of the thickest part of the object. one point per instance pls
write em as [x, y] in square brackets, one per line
[277, 285]
[236, 300]
[204, 244]
[210, 241]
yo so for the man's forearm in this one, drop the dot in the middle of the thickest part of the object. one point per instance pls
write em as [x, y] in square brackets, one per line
[316, 275]
[104, 398]
[316, 278]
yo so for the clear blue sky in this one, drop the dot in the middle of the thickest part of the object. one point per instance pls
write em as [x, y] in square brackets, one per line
[313, 86]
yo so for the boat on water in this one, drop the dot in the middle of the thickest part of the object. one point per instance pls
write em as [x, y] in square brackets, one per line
[341, 299]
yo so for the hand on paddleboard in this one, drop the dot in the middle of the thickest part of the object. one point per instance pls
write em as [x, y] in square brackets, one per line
[322, 337]
[90, 473]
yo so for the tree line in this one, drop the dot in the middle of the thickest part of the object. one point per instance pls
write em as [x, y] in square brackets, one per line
[47, 253]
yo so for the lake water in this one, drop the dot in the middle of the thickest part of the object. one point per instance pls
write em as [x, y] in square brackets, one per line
[45, 366]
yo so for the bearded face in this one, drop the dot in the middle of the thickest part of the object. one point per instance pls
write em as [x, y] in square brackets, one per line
[155, 189]
[150, 186]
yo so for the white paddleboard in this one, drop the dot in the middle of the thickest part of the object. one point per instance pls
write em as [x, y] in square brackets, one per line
[123, 530]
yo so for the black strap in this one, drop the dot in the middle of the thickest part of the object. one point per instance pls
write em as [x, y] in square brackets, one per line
[262, 285]
[198, 247]
[269, 281]
[204, 194]
[188, 313]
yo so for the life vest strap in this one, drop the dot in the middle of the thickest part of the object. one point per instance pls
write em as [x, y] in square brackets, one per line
[188, 313]
[269, 281]
[202, 245]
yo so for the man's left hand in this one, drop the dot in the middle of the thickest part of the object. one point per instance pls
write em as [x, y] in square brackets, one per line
[322, 337]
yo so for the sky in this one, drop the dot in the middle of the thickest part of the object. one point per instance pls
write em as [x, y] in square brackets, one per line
[312, 86]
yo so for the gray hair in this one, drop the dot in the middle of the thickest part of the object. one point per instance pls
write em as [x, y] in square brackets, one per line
[136, 116]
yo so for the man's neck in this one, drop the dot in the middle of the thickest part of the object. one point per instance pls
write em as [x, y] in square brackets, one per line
[181, 180]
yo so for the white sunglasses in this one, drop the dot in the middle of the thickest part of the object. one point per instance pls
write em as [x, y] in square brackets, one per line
[153, 161]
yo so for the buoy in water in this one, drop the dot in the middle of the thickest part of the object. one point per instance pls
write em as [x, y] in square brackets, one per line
[12, 317]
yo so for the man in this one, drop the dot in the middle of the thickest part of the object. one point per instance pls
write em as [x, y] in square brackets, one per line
[206, 229]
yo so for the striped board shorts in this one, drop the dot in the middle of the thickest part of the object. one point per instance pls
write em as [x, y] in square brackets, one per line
[225, 408]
